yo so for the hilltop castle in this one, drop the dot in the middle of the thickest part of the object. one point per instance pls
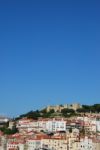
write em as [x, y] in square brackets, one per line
[58, 108]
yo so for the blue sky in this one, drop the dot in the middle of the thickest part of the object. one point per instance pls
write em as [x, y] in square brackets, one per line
[49, 53]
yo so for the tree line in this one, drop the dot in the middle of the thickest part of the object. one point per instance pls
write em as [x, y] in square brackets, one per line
[64, 112]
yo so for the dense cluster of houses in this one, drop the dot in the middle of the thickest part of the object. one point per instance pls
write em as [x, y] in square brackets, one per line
[76, 133]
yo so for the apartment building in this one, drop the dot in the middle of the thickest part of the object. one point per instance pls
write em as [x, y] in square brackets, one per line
[54, 144]
[16, 146]
[86, 143]
[34, 144]
[49, 125]
[56, 125]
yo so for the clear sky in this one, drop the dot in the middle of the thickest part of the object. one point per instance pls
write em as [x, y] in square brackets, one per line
[49, 53]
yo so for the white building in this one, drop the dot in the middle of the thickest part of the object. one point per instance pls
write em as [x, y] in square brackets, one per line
[98, 125]
[49, 125]
[12, 145]
[15, 146]
[33, 144]
[56, 125]
[3, 119]
[85, 144]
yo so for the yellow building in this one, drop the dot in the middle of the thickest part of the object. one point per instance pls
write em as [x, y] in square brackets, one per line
[55, 144]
